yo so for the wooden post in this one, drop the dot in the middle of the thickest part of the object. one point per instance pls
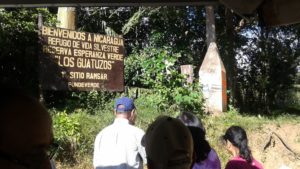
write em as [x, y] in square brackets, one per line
[40, 25]
[188, 71]
[210, 25]
[66, 17]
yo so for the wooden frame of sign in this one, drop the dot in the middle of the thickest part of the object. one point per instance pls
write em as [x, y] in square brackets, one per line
[83, 61]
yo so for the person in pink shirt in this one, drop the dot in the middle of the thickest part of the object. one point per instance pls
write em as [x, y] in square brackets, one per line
[236, 142]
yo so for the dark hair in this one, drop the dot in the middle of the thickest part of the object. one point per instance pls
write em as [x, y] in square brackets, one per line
[238, 137]
[201, 145]
[189, 119]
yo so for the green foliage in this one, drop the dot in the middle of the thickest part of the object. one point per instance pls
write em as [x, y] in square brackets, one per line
[298, 78]
[134, 20]
[158, 69]
[164, 33]
[189, 98]
[90, 126]
[65, 126]
[24, 20]
[91, 101]
[184, 33]
[19, 46]
[67, 134]
[294, 99]
[181, 28]
[75, 133]
[268, 70]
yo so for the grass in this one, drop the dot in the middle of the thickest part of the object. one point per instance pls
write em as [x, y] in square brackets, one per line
[93, 122]
[215, 126]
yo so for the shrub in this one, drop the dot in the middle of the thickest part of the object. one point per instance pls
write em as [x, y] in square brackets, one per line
[91, 101]
[188, 98]
[75, 133]
[157, 69]
[67, 134]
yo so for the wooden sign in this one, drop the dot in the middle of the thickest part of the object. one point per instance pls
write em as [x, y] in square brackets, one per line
[73, 60]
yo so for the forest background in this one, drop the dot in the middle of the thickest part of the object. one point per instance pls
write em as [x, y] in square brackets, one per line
[262, 67]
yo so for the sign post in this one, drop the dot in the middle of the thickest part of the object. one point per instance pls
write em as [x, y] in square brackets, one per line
[66, 17]
[82, 61]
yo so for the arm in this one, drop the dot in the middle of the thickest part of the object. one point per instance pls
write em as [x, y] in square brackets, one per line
[141, 149]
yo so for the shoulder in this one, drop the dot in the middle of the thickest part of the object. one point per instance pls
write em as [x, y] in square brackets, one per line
[236, 162]
[213, 159]
[231, 164]
[257, 164]
[136, 130]
[105, 130]
[213, 153]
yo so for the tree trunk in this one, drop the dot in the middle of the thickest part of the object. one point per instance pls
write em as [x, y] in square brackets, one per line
[230, 60]
[210, 25]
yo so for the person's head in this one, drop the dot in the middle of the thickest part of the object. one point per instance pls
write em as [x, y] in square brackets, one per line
[169, 144]
[237, 142]
[25, 131]
[201, 146]
[189, 119]
[125, 108]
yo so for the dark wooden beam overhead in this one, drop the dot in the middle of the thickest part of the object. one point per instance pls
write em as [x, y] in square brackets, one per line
[271, 12]
[44, 3]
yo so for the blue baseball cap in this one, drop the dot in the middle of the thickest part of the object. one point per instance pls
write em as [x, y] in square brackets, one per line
[127, 103]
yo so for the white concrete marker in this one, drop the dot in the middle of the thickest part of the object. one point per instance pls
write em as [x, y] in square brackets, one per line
[212, 76]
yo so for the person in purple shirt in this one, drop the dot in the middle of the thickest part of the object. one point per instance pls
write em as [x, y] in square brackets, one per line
[204, 156]
[236, 142]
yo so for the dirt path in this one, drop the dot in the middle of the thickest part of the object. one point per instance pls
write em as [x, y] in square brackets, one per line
[275, 155]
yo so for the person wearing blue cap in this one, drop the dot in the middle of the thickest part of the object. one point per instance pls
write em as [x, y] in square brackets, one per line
[118, 146]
